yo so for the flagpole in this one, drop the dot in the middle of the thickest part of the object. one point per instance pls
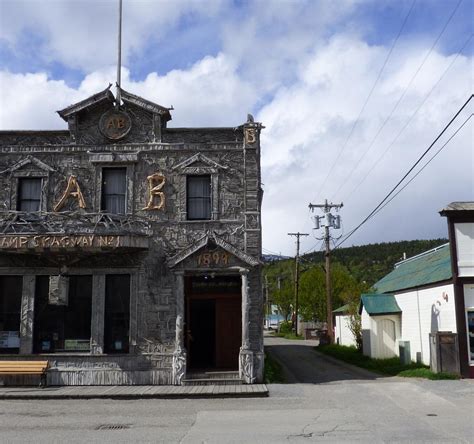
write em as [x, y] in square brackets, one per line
[119, 55]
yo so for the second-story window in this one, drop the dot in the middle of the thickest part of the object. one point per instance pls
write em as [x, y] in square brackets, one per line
[114, 186]
[198, 197]
[29, 194]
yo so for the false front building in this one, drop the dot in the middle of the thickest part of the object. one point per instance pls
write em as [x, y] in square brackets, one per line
[130, 251]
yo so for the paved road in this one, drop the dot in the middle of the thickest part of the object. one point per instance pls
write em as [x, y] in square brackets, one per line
[341, 409]
[302, 364]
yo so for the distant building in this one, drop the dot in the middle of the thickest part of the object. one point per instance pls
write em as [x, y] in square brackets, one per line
[130, 251]
[342, 332]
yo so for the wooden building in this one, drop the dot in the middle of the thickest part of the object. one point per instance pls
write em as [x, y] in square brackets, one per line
[130, 251]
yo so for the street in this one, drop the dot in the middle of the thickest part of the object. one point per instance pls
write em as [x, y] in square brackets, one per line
[325, 403]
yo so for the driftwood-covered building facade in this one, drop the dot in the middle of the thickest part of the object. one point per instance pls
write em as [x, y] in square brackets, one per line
[130, 251]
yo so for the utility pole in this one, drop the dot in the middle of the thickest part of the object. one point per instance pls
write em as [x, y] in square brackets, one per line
[328, 221]
[297, 274]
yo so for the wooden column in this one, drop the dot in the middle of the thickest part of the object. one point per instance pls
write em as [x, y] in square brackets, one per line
[98, 309]
[245, 310]
[27, 314]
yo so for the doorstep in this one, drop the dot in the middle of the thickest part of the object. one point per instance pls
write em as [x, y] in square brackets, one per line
[135, 392]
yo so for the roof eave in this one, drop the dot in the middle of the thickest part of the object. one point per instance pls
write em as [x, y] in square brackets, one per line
[105, 95]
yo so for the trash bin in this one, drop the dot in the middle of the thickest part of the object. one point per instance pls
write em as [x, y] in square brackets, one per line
[405, 352]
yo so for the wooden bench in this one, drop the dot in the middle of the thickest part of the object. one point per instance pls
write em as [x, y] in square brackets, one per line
[25, 368]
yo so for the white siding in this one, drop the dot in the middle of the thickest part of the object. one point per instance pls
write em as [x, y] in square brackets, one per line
[469, 295]
[465, 248]
[423, 312]
[366, 332]
[343, 333]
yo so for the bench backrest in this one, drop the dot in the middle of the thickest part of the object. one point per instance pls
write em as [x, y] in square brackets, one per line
[24, 365]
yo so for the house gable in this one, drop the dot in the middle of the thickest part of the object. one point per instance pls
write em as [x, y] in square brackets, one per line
[211, 251]
[29, 163]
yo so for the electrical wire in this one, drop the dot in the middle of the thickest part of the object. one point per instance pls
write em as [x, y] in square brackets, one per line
[409, 121]
[406, 174]
[346, 181]
[425, 165]
[368, 97]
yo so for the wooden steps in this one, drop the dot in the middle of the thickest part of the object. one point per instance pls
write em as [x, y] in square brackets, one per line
[212, 378]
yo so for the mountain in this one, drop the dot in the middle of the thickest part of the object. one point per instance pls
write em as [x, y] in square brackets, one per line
[367, 263]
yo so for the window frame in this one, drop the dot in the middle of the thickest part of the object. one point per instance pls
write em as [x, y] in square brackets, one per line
[183, 199]
[192, 176]
[129, 174]
[19, 200]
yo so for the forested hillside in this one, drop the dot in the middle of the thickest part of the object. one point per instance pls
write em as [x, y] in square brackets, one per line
[354, 270]
[371, 262]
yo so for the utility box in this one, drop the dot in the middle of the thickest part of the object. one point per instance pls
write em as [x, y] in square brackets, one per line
[405, 352]
[444, 352]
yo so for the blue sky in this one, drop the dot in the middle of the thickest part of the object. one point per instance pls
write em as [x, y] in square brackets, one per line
[304, 68]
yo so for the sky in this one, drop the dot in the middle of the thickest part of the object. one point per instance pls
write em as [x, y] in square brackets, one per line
[351, 94]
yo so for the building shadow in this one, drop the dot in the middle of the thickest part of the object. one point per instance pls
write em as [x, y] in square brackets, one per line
[303, 364]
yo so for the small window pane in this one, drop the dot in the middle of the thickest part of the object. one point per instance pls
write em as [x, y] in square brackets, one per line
[10, 307]
[29, 194]
[63, 328]
[117, 313]
[199, 197]
[470, 332]
[114, 187]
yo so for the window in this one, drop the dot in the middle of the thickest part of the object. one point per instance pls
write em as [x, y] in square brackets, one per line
[63, 328]
[10, 307]
[198, 192]
[470, 334]
[117, 313]
[114, 186]
[29, 194]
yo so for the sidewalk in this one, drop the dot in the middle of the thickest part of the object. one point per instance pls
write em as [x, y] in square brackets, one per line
[135, 392]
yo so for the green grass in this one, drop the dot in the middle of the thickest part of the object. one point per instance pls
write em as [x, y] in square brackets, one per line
[273, 373]
[389, 367]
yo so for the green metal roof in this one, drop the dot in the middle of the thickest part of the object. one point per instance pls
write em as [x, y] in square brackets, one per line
[377, 304]
[426, 268]
[342, 309]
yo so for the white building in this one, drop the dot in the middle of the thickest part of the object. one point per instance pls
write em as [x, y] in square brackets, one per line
[428, 293]
[343, 334]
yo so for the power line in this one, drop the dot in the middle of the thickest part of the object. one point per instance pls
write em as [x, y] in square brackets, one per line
[425, 165]
[369, 96]
[409, 121]
[407, 173]
[400, 98]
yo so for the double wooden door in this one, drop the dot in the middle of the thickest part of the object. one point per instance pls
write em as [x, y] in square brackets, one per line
[213, 331]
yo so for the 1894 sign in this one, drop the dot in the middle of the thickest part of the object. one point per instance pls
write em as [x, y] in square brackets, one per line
[115, 124]
[213, 258]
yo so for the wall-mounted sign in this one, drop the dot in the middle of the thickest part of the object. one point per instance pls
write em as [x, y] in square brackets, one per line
[115, 124]
[8, 242]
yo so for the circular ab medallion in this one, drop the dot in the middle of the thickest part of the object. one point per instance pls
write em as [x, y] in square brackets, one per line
[115, 124]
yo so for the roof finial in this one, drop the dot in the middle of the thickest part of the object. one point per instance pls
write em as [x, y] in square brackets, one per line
[119, 58]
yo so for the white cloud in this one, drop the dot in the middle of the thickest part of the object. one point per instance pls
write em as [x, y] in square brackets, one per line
[307, 85]
[308, 123]
[209, 93]
[67, 28]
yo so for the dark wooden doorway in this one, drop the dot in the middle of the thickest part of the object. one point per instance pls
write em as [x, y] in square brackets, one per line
[213, 322]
